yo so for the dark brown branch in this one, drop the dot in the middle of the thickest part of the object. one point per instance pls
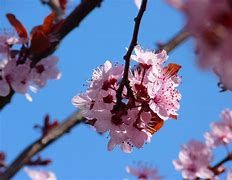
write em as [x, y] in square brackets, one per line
[4, 100]
[220, 163]
[175, 41]
[72, 21]
[40, 144]
[129, 52]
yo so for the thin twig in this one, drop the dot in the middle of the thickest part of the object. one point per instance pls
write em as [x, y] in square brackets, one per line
[226, 159]
[40, 144]
[129, 52]
[72, 21]
[4, 100]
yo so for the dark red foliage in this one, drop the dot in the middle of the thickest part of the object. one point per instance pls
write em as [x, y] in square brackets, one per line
[47, 126]
[20, 29]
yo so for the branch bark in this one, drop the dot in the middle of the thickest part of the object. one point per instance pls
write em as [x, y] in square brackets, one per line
[175, 41]
[41, 144]
[223, 161]
[71, 22]
[129, 52]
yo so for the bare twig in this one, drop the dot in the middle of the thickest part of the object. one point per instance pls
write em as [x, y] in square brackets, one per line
[40, 144]
[72, 21]
[127, 57]
[223, 161]
[4, 100]
[175, 41]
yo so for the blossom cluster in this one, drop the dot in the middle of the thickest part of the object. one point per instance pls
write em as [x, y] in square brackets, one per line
[221, 133]
[148, 99]
[209, 22]
[195, 157]
[16, 71]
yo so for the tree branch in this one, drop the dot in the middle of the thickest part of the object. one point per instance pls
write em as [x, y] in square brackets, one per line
[72, 21]
[129, 52]
[220, 163]
[40, 144]
[175, 41]
[4, 100]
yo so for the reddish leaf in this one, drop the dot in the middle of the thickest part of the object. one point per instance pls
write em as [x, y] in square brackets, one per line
[173, 69]
[154, 124]
[48, 22]
[39, 41]
[20, 29]
[172, 116]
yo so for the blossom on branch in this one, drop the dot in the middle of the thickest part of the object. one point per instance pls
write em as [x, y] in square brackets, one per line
[149, 97]
[40, 175]
[194, 160]
[21, 76]
[18, 72]
[221, 133]
[229, 175]
[144, 172]
[209, 22]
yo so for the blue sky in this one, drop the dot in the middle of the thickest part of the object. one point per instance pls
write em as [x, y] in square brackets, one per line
[104, 34]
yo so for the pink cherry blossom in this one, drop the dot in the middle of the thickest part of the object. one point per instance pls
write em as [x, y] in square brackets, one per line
[4, 87]
[209, 22]
[17, 75]
[85, 102]
[142, 110]
[138, 3]
[4, 47]
[147, 57]
[194, 159]
[229, 175]
[165, 96]
[221, 133]
[40, 175]
[5, 42]
[105, 75]
[226, 117]
[16, 72]
[44, 70]
[144, 172]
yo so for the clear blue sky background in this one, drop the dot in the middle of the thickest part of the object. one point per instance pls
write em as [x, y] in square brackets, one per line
[103, 35]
